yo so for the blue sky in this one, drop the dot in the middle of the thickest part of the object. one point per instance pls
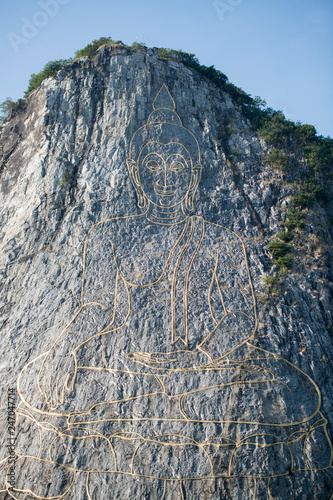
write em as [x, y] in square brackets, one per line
[281, 50]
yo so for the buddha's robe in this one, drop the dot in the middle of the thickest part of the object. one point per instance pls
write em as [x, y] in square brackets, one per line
[166, 367]
[152, 296]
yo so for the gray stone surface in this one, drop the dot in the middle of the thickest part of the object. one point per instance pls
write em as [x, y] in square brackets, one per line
[184, 384]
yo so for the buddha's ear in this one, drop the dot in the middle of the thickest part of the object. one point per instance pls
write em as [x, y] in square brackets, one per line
[134, 176]
[195, 179]
[133, 172]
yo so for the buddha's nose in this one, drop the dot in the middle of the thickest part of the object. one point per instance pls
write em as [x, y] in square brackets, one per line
[168, 182]
[164, 183]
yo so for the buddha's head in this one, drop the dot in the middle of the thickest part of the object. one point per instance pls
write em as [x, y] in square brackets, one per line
[164, 162]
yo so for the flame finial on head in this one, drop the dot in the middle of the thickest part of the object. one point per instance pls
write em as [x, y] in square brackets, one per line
[164, 108]
[164, 99]
[164, 126]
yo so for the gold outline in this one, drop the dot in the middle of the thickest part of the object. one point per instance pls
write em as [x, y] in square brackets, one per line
[159, 362]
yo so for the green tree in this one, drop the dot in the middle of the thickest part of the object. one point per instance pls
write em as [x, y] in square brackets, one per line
[277, 131]
[6, 107]
[50, 70]
[281, 253]
[278, 159]
[91, 49]
[305, 134]
[320, 154]
[138, 46]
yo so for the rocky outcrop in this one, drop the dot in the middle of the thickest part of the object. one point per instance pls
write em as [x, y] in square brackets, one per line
[248, 414]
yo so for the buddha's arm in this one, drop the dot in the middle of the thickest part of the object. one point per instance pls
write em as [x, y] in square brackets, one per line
[96, 316]
[234, 330]
[234, 308]
[58, 371]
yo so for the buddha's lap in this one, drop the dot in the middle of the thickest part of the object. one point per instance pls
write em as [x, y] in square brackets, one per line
[248, 453]
[215, 417]
[268, 391]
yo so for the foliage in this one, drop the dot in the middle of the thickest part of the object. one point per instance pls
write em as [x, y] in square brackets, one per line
[281, 253]
[276, 130]
[304, 134]
[303, 199]
[286, 236]
[191, 61]
[239, 96]
[214, 75]
[6, 107]
[295, 219]
[66, 179]
[278, 159]
[91, 49]
[279, 248]
[51, 68]
[138, 46]
[319, 154]
[271, 282]
[260, 103]
[49, 71]
[284, 262]
[282, 133]
[310, 192]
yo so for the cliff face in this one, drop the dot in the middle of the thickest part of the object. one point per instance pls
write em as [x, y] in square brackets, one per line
[197, 417]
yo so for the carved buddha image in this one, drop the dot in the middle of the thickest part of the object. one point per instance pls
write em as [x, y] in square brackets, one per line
[157, 371]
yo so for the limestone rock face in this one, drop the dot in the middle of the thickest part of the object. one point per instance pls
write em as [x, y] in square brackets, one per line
[139, 348]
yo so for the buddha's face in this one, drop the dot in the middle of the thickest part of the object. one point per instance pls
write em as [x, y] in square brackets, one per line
[165, 172]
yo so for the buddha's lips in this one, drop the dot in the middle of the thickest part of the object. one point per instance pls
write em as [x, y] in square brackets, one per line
[165, 192]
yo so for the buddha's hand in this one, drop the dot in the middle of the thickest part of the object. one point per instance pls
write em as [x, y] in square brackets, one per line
[57, 375]
[170, 361]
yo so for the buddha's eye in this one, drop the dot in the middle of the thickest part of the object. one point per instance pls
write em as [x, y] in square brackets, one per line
[153, 166]
[177, 166]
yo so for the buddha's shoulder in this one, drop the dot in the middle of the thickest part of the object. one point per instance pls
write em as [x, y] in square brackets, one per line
[218, 235]
[110, 229]
[219, 241]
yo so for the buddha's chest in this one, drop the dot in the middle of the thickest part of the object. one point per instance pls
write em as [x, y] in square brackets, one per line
[155, 252]
[154, 262]
[169, 292]
[144, 265]
[167, 310]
